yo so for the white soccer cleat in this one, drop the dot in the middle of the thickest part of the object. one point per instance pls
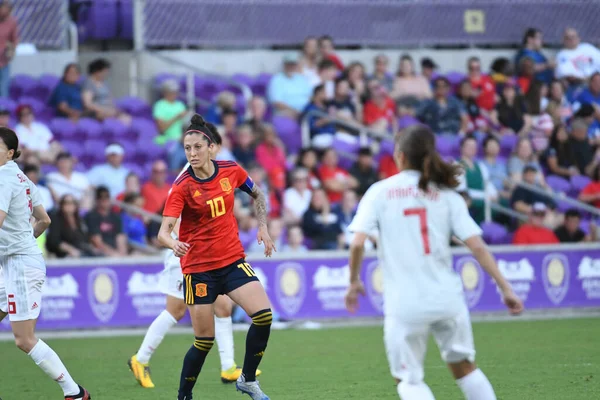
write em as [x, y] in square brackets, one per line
[252, 389]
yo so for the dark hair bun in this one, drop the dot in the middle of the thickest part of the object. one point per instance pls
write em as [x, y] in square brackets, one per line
[17, 154]
[198, 120]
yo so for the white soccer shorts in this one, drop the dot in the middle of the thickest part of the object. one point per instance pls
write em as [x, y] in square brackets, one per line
[171, 278]
[22, 279]
[406, 343]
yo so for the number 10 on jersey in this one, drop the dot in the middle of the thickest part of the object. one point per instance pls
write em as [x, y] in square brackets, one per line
[217, 206]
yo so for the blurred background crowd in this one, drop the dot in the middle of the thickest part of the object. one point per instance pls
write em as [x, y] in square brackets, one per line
[525, 129]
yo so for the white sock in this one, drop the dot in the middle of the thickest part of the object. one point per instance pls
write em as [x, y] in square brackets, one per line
[50, 363]
[224, 338]
[476, 386]
[414, 391]
[155, 334]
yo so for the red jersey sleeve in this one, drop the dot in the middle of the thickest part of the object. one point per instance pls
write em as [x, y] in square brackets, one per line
[175, 202]
[243, 180]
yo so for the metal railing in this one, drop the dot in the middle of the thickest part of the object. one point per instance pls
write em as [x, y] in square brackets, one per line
[560, 197]
[363, 131]
[245, 89]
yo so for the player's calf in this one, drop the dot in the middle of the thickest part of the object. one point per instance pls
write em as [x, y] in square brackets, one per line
[472, 381]
[192, 365]
[256, 342]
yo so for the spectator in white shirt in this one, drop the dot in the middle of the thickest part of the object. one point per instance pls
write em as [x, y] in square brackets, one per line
[327, 74]
[33, 173]
[296, 199]
[35, 136]
[289, 91]
[66, 181]
[112, 174]
[576, 61]
[309, 60]
[295, 240]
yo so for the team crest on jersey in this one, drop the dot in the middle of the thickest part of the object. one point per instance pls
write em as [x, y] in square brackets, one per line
[201, 290]
[225, 185]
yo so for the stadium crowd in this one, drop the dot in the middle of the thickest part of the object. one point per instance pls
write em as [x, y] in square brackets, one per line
[530, 119]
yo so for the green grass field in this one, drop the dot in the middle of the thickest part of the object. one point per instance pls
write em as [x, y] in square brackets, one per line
[524, 360]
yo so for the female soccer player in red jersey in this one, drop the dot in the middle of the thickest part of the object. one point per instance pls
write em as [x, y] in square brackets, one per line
[171, 284]
[212, 256]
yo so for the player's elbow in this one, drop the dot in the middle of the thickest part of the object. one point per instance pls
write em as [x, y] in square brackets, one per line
[358, 242]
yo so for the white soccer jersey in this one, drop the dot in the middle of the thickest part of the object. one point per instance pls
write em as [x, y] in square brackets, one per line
[18, 196]
[414, 244]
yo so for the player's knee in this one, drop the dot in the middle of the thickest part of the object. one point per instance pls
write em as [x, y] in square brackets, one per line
[178, 312]
[263, 317]
[25, 344]
[461, 369]
[223, 307]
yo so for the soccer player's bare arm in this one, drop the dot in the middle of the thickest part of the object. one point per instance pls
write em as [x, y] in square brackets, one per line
[260, 205]
[165, 238]
[2, 218]
[260, 209]
[42, 220]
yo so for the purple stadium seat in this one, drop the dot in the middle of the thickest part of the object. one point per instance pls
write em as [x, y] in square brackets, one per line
[160, 78]
[48, 168]
[387, 147]
[80, 167]
[585, 226]
[64, 127]
[125, 12]
[563, 206]
[447, 145]
[346, 146]
[49, 81]
[94, 148]
[8, 104]
[578, 183]
[72, 146]
[46, 115]
[346, 161]
[19, 84]
[89, 128]
[507, 144]
[455, 78]
[135, 168]
[113, 129]
[558, 184]
[494, 233]
[406, 121]
[243, 79]
[145, 128]
[288, 131]
[36, 105]
[240, 104]
[134, 106]
[97, 20]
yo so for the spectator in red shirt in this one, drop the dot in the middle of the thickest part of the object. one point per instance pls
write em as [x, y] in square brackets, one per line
[271, 156]
[335, 179]
[156, 190]
[9, 38]
[483, 85]
[591, 193]
[328, 51]
[387, 166]
[379, 109]
[526, 70]
[534, 231]
[307, 158]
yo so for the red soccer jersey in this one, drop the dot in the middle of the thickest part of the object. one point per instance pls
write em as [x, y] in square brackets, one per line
[207, 221]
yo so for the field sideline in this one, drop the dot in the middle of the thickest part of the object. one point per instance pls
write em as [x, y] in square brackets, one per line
[550, 359]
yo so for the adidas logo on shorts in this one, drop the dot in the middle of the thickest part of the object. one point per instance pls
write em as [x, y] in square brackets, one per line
[33, 307]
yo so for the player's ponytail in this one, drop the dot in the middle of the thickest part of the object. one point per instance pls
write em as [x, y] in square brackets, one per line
[215, 133]
[11, 141]
[417, 143]
[201, 127]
